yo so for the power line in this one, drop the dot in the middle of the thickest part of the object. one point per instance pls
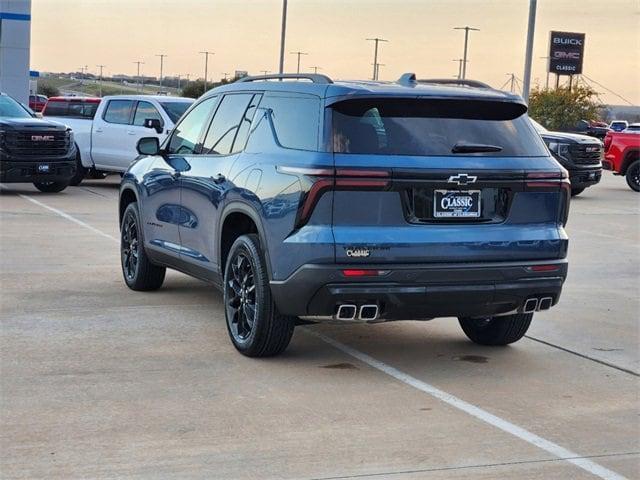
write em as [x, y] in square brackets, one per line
[608, 90]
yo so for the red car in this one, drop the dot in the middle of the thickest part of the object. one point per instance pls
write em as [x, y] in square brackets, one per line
[37, 102]
[622, 156]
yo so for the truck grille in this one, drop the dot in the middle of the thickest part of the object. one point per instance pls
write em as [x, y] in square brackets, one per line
[37, 143]
[586, 154]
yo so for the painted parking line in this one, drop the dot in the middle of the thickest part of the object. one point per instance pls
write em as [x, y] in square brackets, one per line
[453, 401]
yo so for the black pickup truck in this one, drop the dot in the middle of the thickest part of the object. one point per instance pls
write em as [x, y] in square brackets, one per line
[33, 150]
[581, 155]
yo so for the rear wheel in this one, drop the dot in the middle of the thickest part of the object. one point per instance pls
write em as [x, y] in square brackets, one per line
[500, 330]
[255, 326]
[576, 191]
[138, 271]
[50, 187]
[633, 176]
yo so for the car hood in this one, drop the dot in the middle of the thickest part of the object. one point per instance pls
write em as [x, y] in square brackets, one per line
[568, 137]
[31, 123]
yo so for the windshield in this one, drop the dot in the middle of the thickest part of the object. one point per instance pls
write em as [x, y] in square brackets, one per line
[434, 127]
[175, 109]
[9, 108]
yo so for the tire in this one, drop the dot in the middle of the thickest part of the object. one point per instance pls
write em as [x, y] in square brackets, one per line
[50, 187]
[138, 271]
[80, 172]
[633, 176]
[500, 330]
[577, 191]
[246, 295]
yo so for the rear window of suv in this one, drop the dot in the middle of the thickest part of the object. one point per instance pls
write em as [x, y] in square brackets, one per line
[434, 127]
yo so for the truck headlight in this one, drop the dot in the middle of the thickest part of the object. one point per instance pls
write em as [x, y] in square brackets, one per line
[560, 149]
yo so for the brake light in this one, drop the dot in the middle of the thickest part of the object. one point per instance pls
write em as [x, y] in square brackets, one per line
[363, 273]
[324, 179]
[544, 268]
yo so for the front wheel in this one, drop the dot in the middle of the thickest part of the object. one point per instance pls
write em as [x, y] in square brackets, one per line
[633, 176]
[499, 330]
[138, 271]
[255, 326]
[80, 172]
[50, 187]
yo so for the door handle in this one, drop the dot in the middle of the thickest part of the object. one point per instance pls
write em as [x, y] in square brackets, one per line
[131, 132]
[219, 178]
[98, 130]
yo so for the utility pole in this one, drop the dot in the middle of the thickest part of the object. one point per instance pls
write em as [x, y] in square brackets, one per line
[100, 67]
[526, 82]
[513, 81]
[264, 72]
[459, 60]
[206, 54]
[466, 29]
[548, 59]
[315, 69]
[82, 75]
[377, 69]
[225, 75]
[139, 63]
[161, 55]
[376, 40]
[283, 35]
[178, 81]
[299, 54]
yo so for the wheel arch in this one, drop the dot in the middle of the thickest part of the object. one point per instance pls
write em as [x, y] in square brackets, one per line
[128, 195]
[630, 156]
[236, 212]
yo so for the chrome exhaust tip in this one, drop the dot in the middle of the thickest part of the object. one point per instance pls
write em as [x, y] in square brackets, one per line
[530, 305]
[368, 312]
[346, 312]
[545, 303]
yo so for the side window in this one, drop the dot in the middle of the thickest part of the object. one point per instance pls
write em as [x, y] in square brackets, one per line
[145, 110]
[187, 133]
[245, 125]
[118, 111]
[226, 123]
[296, 119]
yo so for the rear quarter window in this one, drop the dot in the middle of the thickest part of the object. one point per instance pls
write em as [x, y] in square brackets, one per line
[296, 119]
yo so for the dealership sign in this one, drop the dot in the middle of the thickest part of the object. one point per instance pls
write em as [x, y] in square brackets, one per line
[566, 51]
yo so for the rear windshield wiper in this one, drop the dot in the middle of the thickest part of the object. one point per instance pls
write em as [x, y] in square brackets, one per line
[463, 147]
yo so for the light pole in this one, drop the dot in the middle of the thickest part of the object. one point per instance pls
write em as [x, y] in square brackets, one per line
[161, 55]
[375, 55]
[526, 82]
[466, 43]
[206, 54]
[283, 35]
[299, 54]
[100, 67]
[139, 63]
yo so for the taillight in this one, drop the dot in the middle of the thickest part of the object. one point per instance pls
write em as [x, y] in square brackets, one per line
[324, 179]
[550, 181]
[354, 272]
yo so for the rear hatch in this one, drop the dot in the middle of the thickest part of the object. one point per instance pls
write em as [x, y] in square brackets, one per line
[443, 180]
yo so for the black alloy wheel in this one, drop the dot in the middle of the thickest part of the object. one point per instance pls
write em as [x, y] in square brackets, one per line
[130, 245]
[241, 295]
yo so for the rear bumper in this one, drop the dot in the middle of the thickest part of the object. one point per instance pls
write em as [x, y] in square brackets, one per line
[420, 291]
[28, 172]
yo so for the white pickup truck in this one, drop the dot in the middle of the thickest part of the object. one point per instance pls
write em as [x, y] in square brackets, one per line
[107, 130]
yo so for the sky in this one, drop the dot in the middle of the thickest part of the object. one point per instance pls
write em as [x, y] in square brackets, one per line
[245, 35]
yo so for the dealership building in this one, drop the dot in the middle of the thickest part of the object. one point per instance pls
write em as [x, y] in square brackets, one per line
[15, 39]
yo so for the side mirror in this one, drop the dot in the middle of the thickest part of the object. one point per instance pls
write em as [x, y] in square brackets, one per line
[148, 146]
[153, 123]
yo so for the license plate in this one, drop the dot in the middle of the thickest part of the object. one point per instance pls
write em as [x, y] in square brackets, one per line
[456, 204]
[43, 168]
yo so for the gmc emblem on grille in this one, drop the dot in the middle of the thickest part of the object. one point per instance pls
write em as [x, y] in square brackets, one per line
[592, 149]
[462, 179]
[42, 138]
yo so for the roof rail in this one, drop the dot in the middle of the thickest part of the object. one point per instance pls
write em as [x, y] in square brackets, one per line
[409, 79]
[314, 77]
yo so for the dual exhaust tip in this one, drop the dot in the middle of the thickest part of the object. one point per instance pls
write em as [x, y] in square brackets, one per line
[536, 305]
[353, 312]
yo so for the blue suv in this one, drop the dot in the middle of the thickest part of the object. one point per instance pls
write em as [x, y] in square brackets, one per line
[305, 200]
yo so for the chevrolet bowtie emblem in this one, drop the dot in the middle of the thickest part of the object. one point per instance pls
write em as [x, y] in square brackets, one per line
[462, 179]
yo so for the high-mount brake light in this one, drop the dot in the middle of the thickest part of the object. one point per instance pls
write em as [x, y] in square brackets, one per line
[325, 179]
